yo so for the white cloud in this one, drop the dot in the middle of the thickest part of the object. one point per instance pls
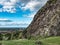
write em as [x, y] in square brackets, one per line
[8, 22]
[3, 19]
[10, 9]
[12, 23]
[30, 15]
[8, 6]
[31, 5]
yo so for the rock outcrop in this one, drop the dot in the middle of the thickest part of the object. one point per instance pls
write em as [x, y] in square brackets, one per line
[47, 20]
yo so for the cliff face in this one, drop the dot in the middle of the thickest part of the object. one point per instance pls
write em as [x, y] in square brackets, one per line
[46, 21]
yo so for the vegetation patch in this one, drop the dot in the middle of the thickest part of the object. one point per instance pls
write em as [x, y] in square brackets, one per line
[45, 41]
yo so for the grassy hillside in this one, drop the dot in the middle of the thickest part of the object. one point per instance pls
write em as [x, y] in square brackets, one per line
[46, 41]
[51, 41]
[18, 42]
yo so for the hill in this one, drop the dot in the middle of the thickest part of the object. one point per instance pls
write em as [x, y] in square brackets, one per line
[47, 20]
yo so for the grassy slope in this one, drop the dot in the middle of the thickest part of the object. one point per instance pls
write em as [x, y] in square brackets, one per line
[46, 41]
[18, 42]
[51, 41]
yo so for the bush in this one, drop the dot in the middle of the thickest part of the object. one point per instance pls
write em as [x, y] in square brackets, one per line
[38, 43]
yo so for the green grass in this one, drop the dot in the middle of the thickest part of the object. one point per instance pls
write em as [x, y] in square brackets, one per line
[46, 41]
[18, 42]
[51, 41]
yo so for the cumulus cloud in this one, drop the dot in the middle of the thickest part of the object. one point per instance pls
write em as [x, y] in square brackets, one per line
[31, 5]
[34, 5]
[8, 6]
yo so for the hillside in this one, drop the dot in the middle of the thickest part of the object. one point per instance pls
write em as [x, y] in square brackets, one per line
[45, 41]
[47, 20]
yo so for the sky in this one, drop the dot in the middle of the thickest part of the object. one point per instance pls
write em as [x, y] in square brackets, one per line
[18, 13]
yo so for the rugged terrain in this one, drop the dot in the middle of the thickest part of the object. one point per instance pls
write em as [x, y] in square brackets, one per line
[47, 20]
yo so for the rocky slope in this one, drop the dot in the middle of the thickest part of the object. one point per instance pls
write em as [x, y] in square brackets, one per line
[47, 20]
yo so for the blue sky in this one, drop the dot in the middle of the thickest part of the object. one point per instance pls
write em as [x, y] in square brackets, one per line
[18, 13]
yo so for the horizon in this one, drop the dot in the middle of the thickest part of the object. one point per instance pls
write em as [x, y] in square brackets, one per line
[18, 13]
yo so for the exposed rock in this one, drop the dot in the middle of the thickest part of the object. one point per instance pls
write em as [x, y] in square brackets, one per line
[47, 20]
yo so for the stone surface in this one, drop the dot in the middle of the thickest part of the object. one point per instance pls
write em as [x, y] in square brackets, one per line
[47, 20]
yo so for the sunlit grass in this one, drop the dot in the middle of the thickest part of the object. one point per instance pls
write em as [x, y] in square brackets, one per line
[46, 41]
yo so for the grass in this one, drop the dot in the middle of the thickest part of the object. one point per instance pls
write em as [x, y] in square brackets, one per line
[51, 41]
[18, 42]
[46, 41]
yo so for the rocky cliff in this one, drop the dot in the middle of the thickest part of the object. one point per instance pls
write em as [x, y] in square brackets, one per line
[46, 21]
